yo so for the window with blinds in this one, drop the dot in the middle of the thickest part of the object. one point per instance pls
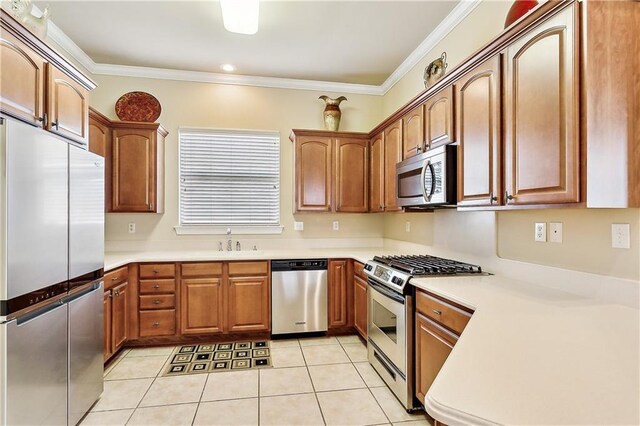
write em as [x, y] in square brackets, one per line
[229, 178]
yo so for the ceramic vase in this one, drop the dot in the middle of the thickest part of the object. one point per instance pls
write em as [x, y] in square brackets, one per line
[332, 112]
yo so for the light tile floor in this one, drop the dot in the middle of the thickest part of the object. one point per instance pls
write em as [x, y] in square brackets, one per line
[315, 381]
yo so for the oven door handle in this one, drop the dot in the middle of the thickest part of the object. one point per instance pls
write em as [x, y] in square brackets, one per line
[385, 291]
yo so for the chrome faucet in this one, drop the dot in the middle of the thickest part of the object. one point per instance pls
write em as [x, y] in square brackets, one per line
[237, 245]
[229, 240]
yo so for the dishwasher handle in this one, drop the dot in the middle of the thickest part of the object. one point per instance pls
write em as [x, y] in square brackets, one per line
[299, 265]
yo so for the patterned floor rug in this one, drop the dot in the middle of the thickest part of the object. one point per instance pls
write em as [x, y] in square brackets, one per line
[216, 357]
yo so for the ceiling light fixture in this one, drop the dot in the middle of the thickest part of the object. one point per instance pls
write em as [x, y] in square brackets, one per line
[228, 67]
[240, 16]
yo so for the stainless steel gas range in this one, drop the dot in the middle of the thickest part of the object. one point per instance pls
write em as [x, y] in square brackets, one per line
[391, 312]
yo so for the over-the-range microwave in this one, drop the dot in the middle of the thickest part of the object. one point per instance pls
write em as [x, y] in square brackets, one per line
[428, 180]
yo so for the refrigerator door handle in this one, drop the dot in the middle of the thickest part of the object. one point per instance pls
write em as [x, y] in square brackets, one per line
[27, 318]
[90, 289]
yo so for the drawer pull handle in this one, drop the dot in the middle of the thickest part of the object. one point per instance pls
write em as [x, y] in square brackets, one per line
[156, 302]
[156, 324]
[155, 271]
[156, 286]
[437, 312]
[114, 278]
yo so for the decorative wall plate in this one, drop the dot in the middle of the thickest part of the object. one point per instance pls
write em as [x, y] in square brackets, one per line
[435, 70]
[138, 106]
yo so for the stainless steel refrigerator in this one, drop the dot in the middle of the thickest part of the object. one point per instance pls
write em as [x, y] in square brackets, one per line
[51, 266]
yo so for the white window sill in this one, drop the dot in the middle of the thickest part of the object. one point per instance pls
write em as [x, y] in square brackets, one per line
[222, 230]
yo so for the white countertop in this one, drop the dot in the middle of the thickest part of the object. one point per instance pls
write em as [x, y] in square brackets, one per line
[529, 355]
[532, 356]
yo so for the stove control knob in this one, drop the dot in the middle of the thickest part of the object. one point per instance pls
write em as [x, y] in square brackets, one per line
[368, 267]
[397, 280]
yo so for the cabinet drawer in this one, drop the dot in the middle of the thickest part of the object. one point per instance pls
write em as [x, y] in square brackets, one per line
[158, 323]
[157, 286]
[358, 269]
[160, 301]
[201, 269]
[115, 277]
[448, 315]
[163, 270]
[248, 268]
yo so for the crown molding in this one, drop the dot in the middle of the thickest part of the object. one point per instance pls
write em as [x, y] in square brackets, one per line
[457, 15]
[440, 32]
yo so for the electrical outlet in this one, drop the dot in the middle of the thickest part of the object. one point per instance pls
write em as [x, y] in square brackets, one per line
[298, 226]
[541, 232]
[555, 232]
[336, 225]
[620, 236]
[407, 226]
[132, 228]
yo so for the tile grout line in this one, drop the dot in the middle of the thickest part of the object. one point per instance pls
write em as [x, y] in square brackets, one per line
[315, 394]
[200, 400]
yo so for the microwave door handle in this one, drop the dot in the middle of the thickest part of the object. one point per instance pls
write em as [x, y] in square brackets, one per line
[428, 165]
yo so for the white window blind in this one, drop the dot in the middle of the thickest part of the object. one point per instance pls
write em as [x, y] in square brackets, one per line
[229, 177]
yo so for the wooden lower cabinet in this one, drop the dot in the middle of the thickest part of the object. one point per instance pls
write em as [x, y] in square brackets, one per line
[248, 304]
[119, 316]
[161, 322]
[337, 294]
[360, 305]
[107, 325]
[202, 310]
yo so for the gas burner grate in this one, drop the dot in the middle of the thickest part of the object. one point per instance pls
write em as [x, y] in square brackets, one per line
[427, 265]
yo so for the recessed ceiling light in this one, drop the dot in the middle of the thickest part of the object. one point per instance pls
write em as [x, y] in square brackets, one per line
[228, 68]
[240, 16]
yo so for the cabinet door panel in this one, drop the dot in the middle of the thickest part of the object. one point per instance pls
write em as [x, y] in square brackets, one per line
[68, 106]
[433, 346]
[99, 137]
[337, 294]
[352, 175]
[360, 305]
[541, 113]
[202, 308]
[248, 304]
[479, 151]
[119, 316]
[133, 182]
[438, 118]
[107, 325]
[413, 132]
[21, 79]
[392, 156]
[376, 174]
[313, 174]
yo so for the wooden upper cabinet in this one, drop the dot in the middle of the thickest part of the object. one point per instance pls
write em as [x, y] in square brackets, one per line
[376, 173]
[22, 75]
[137, 166]
[68, 106]
[542, 155]
[313, 159]
[202, 306]
[352, 175]
[438, 118]
[477, 103]
[338, 283]
[99, 133]
[392, 156]
[248, 304]
[413, 132]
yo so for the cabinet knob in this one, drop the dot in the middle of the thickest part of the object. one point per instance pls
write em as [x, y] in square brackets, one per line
[155, 271]
[418, 149]
[156, 302]
[508, 197]
[157, 286]
[492, 198]
[156, 324]
[116, 293]
[43, 119]
[54, 124]
[437, 312]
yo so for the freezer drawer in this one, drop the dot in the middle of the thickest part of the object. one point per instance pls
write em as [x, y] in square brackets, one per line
[86, 330]
[33, 351]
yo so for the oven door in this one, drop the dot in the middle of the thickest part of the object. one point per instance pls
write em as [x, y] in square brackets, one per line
[387, 324]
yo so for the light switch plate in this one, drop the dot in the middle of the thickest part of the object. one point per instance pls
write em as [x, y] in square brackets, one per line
[555, 232]
[298, 226]
[540, 232]
[620, 235]
[336, 225]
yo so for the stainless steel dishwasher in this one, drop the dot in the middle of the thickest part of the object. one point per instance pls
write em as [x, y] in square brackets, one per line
[298, 296]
